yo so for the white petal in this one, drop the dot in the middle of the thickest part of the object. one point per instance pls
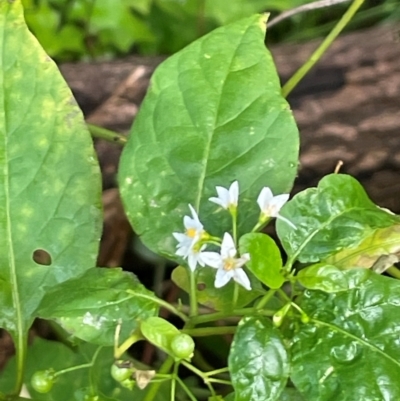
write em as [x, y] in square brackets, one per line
[242, 260]
[228, 249]
[195, 216]
[218, 201]
[182, 251]
[222, 277]
[277, 202]
[264, 198]
[241, 277]
[234, 193]
[212, 259]
[192, 261]
[179, 236]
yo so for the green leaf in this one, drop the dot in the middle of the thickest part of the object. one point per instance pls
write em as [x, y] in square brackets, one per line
[324, 277]
[213, 114]
[265, 258]
[91, 306]
[50, 186]
[383, 242]
[336, 215]
[258, 361]
[351, 344]
[216, 298]
[159, 332]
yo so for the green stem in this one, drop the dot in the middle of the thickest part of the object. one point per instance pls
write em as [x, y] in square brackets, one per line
[235, 294]
[306, 67]
[186, 389]
[211, 317]
[83, 366]
[193, 294]
[209, 331]
[106, 134]
[265, 299]
[162, 303]
[153, 390]
[20, 351]
[234, 225]
[217, 372]
[173, 381]
[394, 272]
[202, 375]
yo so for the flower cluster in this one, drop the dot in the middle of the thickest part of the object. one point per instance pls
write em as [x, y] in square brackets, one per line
[193, 242]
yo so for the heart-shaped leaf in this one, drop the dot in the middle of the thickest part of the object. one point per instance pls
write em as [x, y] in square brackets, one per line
[213, 114]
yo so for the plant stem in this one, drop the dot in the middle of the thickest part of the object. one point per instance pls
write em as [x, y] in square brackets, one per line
[209, 331]
[210, 317]
[193, 294]
[235, 294]
[162, 303]
[173, 381]
[106, 134]
[83, 366]
[220, 381]
[20, 350]
[217, 372]
[305, 68]
[265, 299]
[202, 375]
[186, 389]
[394, 272]
[153, 390]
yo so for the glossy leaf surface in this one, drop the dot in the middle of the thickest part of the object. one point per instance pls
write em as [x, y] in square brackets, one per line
[258, 361]
[213, 114]
[335, 215]
[159, 332]
[50, 213]
[351, 344]
[90, 306]
[324, 277]
[265, 258]
[216, 298]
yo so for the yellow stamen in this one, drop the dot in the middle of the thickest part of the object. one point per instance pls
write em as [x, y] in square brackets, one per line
[191, 232]
[229, 264]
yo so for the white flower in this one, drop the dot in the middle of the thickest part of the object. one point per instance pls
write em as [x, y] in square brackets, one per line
[188, 242]
[227, 264]
[227, 198]
[271, 205]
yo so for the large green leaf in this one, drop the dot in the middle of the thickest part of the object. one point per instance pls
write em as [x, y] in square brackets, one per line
[213, 114]
[91, 306]
[258, 361]
[336, 215]
[50, 182]
[350, 349]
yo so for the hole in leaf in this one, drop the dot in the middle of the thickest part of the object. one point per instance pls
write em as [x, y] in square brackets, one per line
[41, 257]
[201, 287]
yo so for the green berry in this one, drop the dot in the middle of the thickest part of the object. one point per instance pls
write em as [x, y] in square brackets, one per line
[120, 374]
[42, 381]
[182, 346]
